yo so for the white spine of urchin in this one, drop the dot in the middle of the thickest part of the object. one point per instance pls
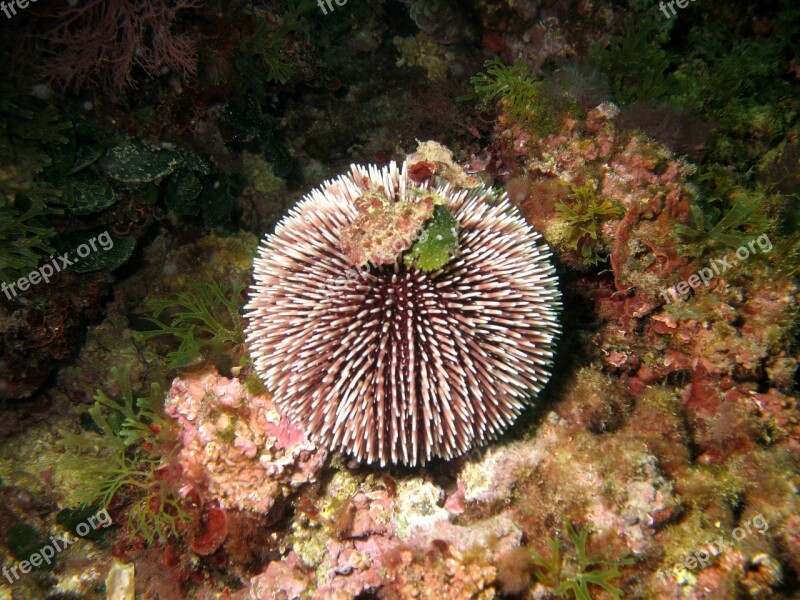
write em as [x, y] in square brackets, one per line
[400, 365]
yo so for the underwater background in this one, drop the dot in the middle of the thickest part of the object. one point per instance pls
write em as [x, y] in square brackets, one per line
[147, 449]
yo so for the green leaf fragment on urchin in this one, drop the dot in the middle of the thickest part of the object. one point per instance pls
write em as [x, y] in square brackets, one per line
[437, 244]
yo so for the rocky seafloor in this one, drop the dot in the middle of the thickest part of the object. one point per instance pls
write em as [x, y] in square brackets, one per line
[656, 151]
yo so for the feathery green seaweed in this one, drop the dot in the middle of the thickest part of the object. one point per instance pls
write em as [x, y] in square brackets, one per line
[582, 219]
[262, 52]
[587, 570]
[24, 239]
[129, 443]
[204, 319]
[636, 63]
[515, 90]
[736, 227]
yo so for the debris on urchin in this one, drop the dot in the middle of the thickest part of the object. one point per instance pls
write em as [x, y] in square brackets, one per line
[393, 362]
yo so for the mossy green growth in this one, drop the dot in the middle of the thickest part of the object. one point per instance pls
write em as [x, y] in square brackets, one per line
[786, 256]
[254, 385]
[740, 224]
[582, 218]
[24, 238]
[205, 320]
[129, 443]
[636, 63]
[437, 244]
[71, 518]
[260, 57]
[23, 541]
[584, 571]
[518, 94]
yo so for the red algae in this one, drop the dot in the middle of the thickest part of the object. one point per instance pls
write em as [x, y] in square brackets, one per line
[383, 227]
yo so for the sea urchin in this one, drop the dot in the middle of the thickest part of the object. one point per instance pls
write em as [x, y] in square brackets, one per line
[402, 364]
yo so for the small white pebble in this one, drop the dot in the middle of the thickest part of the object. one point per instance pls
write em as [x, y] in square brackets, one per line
[42, 91]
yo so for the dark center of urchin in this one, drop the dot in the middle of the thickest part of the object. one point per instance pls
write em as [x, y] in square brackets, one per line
[396, 310]
[396, 338]
[419, 368]
[408, 299]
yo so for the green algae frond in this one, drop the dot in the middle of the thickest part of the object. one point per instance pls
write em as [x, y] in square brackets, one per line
[261, 57]
[582, 219]
[727, 231]
[24, 238]
[30, 132]
[588, 570]
[204, 319]
[121, 455]
[519, 95]
[636, 64]
[264, 49]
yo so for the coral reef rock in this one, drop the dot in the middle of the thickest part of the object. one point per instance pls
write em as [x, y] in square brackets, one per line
[237, 447]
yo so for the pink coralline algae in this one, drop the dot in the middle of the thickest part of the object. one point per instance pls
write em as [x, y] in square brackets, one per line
[382, 228]
[334, 564]
[236, 447]
[367, 539]
[726, 333]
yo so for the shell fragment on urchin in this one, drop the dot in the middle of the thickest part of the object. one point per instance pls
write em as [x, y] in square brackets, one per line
[391, 363]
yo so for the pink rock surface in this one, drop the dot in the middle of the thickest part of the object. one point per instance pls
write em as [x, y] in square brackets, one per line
[236, 447]
[282, 579]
